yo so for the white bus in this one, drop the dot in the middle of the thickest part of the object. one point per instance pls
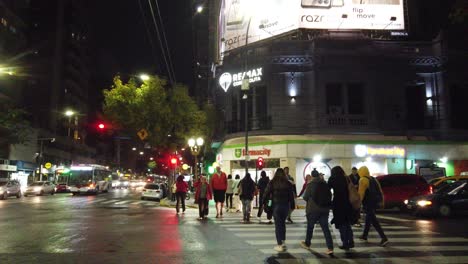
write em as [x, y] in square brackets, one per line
[89, 179]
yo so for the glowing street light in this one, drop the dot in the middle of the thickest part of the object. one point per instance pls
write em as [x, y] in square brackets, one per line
[69, 113]
[195, 145]
[199, 9]
[144, 77]
[134, 149]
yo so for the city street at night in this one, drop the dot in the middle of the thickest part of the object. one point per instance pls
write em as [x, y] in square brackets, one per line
[120, 228]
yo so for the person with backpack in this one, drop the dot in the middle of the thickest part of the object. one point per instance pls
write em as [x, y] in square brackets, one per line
[344, 215]
[280, 192]
[247, 190]
[318, 198]
[372, 199]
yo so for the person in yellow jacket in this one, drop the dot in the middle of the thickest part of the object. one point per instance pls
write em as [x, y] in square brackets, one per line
[372, 198]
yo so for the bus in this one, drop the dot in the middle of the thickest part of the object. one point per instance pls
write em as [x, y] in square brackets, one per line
[89, 179]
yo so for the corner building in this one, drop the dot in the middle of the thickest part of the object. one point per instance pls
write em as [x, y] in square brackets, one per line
[322, 98]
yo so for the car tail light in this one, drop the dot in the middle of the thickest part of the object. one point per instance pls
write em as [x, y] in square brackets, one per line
[431, 189]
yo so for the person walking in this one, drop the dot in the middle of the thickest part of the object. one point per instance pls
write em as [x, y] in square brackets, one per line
[308, 178]
[318, 198]
[202, 196]
[293, 183]
[181, 193]
[372, 199]
[343, 213]
[247, 190]
[354, 177]
[261, 185]
[229, 193]
[237, 201]
[280, 191]
[219, 185]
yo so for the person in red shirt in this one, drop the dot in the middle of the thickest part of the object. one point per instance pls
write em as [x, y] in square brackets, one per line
[181, 192]
[219, 185]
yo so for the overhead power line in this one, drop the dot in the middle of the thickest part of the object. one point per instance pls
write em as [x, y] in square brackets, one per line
[148, 34]
[165, 41]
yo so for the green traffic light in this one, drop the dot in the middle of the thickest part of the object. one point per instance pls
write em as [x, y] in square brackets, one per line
[211, 170]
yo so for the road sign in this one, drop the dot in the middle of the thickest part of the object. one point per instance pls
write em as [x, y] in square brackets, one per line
[142, 134]
[48, 165]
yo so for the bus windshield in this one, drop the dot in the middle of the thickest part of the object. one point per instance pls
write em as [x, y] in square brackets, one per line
[80, 177]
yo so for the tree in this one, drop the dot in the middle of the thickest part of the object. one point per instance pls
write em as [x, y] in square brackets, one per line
[14, 126]
[169, 114]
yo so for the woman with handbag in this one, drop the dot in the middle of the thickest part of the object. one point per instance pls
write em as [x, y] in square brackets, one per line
[343, 213]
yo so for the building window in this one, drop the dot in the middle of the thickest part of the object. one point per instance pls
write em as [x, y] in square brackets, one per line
[334, 97]
[356, 98]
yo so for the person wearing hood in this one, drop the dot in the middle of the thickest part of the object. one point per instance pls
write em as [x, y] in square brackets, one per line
[318, 198]
[372, 199]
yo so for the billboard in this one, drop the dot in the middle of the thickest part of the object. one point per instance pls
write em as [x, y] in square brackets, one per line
[263, 19]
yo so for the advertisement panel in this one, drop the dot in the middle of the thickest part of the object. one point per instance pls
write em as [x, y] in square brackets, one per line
[263, 19]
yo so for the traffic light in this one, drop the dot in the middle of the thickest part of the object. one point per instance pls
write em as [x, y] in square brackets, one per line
[101, 126]
[173, 162]
[260, 163]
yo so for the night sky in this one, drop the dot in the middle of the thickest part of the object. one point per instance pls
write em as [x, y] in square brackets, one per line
[120, 42]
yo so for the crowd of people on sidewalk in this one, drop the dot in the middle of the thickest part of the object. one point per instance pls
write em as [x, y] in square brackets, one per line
[346, 196]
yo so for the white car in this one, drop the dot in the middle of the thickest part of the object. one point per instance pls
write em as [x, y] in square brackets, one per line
[10, 188]
[152, 191]
[40, 188]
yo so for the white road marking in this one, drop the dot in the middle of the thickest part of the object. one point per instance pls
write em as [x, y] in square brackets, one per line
[272, 242]
[320, 233]
[374, 249]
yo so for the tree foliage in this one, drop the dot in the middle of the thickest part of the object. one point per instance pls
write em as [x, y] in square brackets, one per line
[156, 107]
[14, 126]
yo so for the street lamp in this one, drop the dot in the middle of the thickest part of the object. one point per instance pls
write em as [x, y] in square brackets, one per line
[41, 150]
[69, 114]
[195, 145]
[144, 77]
[199, 9]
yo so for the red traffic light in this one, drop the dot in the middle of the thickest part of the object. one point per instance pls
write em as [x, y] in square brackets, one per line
[260, 163]
[101, 126]
[173, 161]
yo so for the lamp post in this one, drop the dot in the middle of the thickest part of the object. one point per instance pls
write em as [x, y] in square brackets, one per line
[69, 114]
[41, 150]
[195, 150]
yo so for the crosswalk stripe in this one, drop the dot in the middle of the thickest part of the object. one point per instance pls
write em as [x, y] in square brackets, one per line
[138, 202]
[272, 242]
[389, 248]
[320, 233]
[123, 202]
[271, 228]
[110, 201]
[424, 259]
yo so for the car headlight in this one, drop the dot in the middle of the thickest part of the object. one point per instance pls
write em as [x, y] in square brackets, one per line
[406, 201]
[423, 203]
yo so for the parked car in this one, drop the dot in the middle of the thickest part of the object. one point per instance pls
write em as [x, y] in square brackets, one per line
[61, 188]
[440, 182]
[152, 191]
[450, 199]
[40, 188]
[10, 188]
[400, 187]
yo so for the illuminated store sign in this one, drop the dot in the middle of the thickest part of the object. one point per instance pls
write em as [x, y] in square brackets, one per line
[260, 152]
[242, 22]
[228, 79]
[373, 151]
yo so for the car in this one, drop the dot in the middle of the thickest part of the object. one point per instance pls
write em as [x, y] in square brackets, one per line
[450, 199]
[440, 182]
[136, 184]
[124, 184]
[61, 188]
[40, 188]
[400, 187]
[10, 188]
[152, 191]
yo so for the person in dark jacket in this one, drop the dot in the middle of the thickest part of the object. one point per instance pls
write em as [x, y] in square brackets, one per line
[343, 213]
[262, 184]
[282, 195]
[246, 194]
[315, 212]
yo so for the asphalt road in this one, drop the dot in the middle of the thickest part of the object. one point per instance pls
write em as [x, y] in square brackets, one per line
[120, 228]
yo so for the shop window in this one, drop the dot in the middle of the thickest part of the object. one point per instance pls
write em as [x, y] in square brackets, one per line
[356, 98]
[334, 97]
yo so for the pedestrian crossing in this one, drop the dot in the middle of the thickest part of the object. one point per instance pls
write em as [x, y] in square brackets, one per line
[407, 243]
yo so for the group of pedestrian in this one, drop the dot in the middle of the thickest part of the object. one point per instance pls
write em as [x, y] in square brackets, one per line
[345, 203]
